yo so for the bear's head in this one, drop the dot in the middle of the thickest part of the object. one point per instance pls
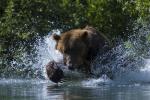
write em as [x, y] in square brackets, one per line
[74, 47]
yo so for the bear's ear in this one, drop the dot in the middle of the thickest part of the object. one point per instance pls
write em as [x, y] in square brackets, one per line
[84, 35]
[55, 37]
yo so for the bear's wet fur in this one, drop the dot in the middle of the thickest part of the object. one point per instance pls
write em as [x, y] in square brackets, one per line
[79, 47]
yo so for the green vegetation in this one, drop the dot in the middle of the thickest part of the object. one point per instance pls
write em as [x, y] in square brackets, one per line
[22, 22]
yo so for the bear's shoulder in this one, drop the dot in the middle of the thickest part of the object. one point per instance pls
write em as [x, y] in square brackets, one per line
[74, 33]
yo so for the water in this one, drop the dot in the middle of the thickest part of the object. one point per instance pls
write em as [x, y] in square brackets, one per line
[129, 62]
[14, 89]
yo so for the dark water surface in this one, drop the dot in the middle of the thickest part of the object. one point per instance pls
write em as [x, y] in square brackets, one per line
[12, 89]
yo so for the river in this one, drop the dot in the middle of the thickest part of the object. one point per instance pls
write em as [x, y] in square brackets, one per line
[18, 89]
[129, 63]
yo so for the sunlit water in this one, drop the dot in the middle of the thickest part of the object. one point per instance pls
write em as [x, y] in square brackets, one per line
[129, 62]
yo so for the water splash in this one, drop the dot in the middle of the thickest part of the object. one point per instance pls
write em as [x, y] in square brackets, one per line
[129, 61]
[46, 52]
[103, 80]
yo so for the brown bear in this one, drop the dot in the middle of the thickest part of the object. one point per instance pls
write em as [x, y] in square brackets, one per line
[79, 47]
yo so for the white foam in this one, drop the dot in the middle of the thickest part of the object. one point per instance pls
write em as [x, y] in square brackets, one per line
[47, 52]
[54, 54]
[96, 82]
